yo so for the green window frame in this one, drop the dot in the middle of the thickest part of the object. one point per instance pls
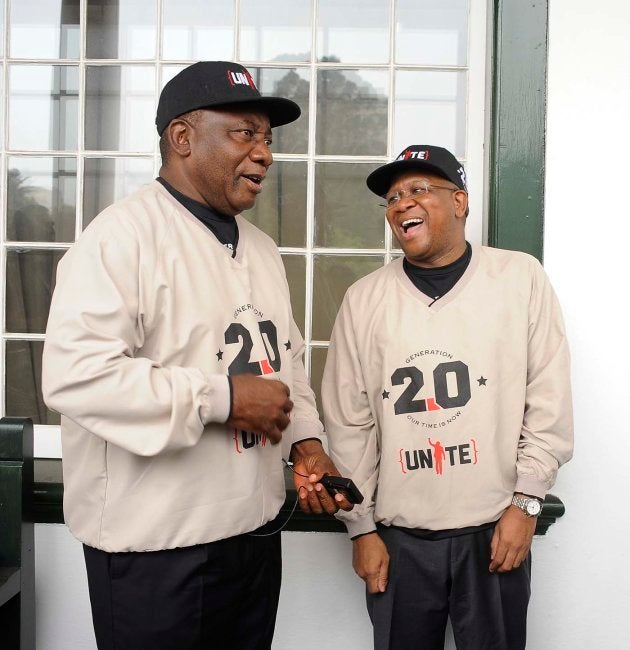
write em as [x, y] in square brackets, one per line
[517, 136]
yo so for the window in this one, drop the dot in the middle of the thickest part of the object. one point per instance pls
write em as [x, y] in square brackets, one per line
[81, 78]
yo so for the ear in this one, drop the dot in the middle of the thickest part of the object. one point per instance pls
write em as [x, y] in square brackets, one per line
[178, 133]
[460, 198]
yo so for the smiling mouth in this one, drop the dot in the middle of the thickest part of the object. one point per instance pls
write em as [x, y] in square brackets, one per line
[410, 223]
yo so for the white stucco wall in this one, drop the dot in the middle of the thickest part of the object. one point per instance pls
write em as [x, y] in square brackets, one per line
[581, 597]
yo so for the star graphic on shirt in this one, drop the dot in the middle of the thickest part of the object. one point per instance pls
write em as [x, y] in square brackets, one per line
[219, 355]
[385, 394]
[287, 345]
[482, 380]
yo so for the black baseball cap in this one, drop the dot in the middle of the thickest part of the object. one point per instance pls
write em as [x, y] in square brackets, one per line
[424, 157]
[209, 84]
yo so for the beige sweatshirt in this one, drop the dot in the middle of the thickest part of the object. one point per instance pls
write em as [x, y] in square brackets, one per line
[149, 316]
[440, 413]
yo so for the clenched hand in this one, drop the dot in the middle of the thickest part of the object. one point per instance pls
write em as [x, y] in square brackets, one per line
[260, 406]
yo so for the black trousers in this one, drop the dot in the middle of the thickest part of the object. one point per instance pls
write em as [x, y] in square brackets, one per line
[220, 596]
[430, 580]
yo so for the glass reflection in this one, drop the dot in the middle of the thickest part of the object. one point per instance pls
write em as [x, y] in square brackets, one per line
[120, 108]
[280, 209]
[352, 112]
[41, 199]
[430, 108]
[196, 29]
[292, 83]
[348, 34]
[44, 30]
[30, 283]
[295, 268]
[333, 274]
[124, 29]
[43, 107]
[275, 30]
[432, 32]
[23, 386]
[347, 214]
[106, 180]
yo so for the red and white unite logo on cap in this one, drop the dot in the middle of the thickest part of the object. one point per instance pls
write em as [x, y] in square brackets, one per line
[409, 153]
[240, 79]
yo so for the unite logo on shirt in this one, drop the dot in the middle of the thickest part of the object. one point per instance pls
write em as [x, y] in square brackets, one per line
[241, 79]
[430, 392]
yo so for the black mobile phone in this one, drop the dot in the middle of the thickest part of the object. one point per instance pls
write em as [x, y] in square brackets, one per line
[343, 485]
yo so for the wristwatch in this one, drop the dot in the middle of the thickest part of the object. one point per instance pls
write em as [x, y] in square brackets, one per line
[529, 505]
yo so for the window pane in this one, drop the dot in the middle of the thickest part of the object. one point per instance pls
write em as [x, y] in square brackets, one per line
[430, 108]
[348, 32]
[352, 112]
[292, 84]
[280, 209]
[108, 179]
[124, 29]
[432, 32]
[275, 30]
[43, 105]
[30, 283]
[295, 268]
[347, 214]
[318, 362]
[197, 29]
[120, 108]
[23, 386]
[41, 199]
[2, 27]
[333, 274]
[2, 90]
[44, 30]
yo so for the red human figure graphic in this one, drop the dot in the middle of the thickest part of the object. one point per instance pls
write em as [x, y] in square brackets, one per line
[438, 454]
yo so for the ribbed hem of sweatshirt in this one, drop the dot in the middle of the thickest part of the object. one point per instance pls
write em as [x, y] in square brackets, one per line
[531, 485]
[303, 429]
[215, 401]
[360, 526]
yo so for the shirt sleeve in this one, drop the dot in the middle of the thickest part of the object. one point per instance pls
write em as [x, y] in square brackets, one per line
[92, 371]
[349, 421]
[546, 440]
[304, 418]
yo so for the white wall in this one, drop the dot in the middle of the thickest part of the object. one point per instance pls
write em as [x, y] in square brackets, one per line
[581, 598]
[581, 595]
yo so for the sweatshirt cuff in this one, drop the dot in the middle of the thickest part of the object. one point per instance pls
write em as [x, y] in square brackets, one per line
[531, 485]
[305, 429]
[215, 400]
[361, 526]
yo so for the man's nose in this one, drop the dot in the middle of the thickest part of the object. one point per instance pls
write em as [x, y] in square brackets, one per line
[262, 153]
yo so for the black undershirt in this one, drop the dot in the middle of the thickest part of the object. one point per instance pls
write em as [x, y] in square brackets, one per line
[222, 226]
[438, 281]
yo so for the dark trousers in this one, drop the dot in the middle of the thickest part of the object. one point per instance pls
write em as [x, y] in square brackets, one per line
[220, 596]
[430, 580]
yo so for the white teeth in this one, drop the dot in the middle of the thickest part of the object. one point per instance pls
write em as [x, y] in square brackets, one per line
[407, 223]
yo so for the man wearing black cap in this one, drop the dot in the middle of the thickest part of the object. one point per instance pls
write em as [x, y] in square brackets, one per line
[447, 400]
[172, 355]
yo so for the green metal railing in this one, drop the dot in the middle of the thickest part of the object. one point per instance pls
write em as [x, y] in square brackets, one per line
[17, 562]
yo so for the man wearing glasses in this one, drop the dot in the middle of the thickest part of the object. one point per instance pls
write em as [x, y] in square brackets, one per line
[447, 400]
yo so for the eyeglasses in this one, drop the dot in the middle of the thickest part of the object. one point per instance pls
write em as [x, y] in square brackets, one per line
[415, 191]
